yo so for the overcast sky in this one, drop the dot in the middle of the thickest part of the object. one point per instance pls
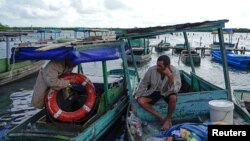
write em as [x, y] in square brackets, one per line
[122, 13]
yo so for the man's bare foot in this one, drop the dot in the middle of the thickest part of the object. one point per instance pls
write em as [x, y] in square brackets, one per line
[166, 125]
[162, 120]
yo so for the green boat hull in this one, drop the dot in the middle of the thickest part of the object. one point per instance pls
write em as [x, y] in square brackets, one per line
[17, 70]
[38, 128]
[192, 106]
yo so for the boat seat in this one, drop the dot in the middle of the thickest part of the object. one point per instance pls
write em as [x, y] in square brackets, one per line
[113, 81]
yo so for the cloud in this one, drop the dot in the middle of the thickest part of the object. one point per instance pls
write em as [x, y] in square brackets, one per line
[87, 7]
[114, 4]
[121, 13]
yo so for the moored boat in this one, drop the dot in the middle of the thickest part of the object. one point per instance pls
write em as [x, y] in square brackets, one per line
[140, 51]
[178, 48]
[12, 70]
[187, 60]
[238, 61]
[112, 91]
[162, 46]
[193, 104]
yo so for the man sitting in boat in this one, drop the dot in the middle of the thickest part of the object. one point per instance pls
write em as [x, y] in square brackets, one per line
[49, 78]
[160, 81]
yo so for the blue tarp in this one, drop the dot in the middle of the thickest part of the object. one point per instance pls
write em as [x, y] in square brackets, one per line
[198, 131]
[30, 53]
[76, 56]
[92, 55]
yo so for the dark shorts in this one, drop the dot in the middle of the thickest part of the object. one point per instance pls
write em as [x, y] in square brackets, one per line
[155, 96]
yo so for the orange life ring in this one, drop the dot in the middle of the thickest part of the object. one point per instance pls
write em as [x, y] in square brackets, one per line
[59, 114]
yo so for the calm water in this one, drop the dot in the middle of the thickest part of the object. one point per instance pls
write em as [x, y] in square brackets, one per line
[15, 98]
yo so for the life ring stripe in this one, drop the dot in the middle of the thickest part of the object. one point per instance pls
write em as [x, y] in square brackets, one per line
[57, 114]
[85, 107]
[85, 82]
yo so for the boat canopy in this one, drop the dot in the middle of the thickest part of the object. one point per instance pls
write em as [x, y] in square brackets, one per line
[44, 30]
[133, 33]
[77, 54]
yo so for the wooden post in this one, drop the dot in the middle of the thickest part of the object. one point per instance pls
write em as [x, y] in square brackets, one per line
[8, 50]
[189, 52]
[144, 45]
[79, 68]
[105, 80]
[133, 59]
[225, 68]
[75, 34]
[125, 65]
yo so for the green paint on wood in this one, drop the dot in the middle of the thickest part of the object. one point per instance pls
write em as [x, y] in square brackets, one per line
[3, 65]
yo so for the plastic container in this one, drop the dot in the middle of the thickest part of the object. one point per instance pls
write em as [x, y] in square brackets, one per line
[221, 111]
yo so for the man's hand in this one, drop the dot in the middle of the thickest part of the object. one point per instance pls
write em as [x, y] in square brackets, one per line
[170, 76]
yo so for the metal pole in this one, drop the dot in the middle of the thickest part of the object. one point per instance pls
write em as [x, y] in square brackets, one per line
[189, 52]
[225, 68]
[133, 59]
[8, 52]
[79, 68]
[105, 80]
[144, 45]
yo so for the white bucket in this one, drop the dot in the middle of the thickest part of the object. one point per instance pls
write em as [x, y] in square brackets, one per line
[221, 111]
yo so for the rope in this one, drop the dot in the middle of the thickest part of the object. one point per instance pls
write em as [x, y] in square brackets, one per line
[13, 64]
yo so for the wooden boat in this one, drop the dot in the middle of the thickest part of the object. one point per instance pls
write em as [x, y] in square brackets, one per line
[217, 45]
[237, 61]
[192, 104]
[140, 51]
[187, 60]
[112, 98]
[162, 46]
[191, 107]
[17, 71]
[93, 34]
[178, 48]
[229, 44]
[12, 70]
[242, 97]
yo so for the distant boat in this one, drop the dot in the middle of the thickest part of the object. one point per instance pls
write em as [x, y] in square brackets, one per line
[140, 50]
[12, 70]
[16, 71]
[229, 44]
[234, 60]
[186, 59]
[216, 45]
[162, 46]
[178, 48]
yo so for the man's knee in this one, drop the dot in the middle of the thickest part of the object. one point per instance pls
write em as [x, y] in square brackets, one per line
[143, 100]
[140, 100]
[172, 98]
